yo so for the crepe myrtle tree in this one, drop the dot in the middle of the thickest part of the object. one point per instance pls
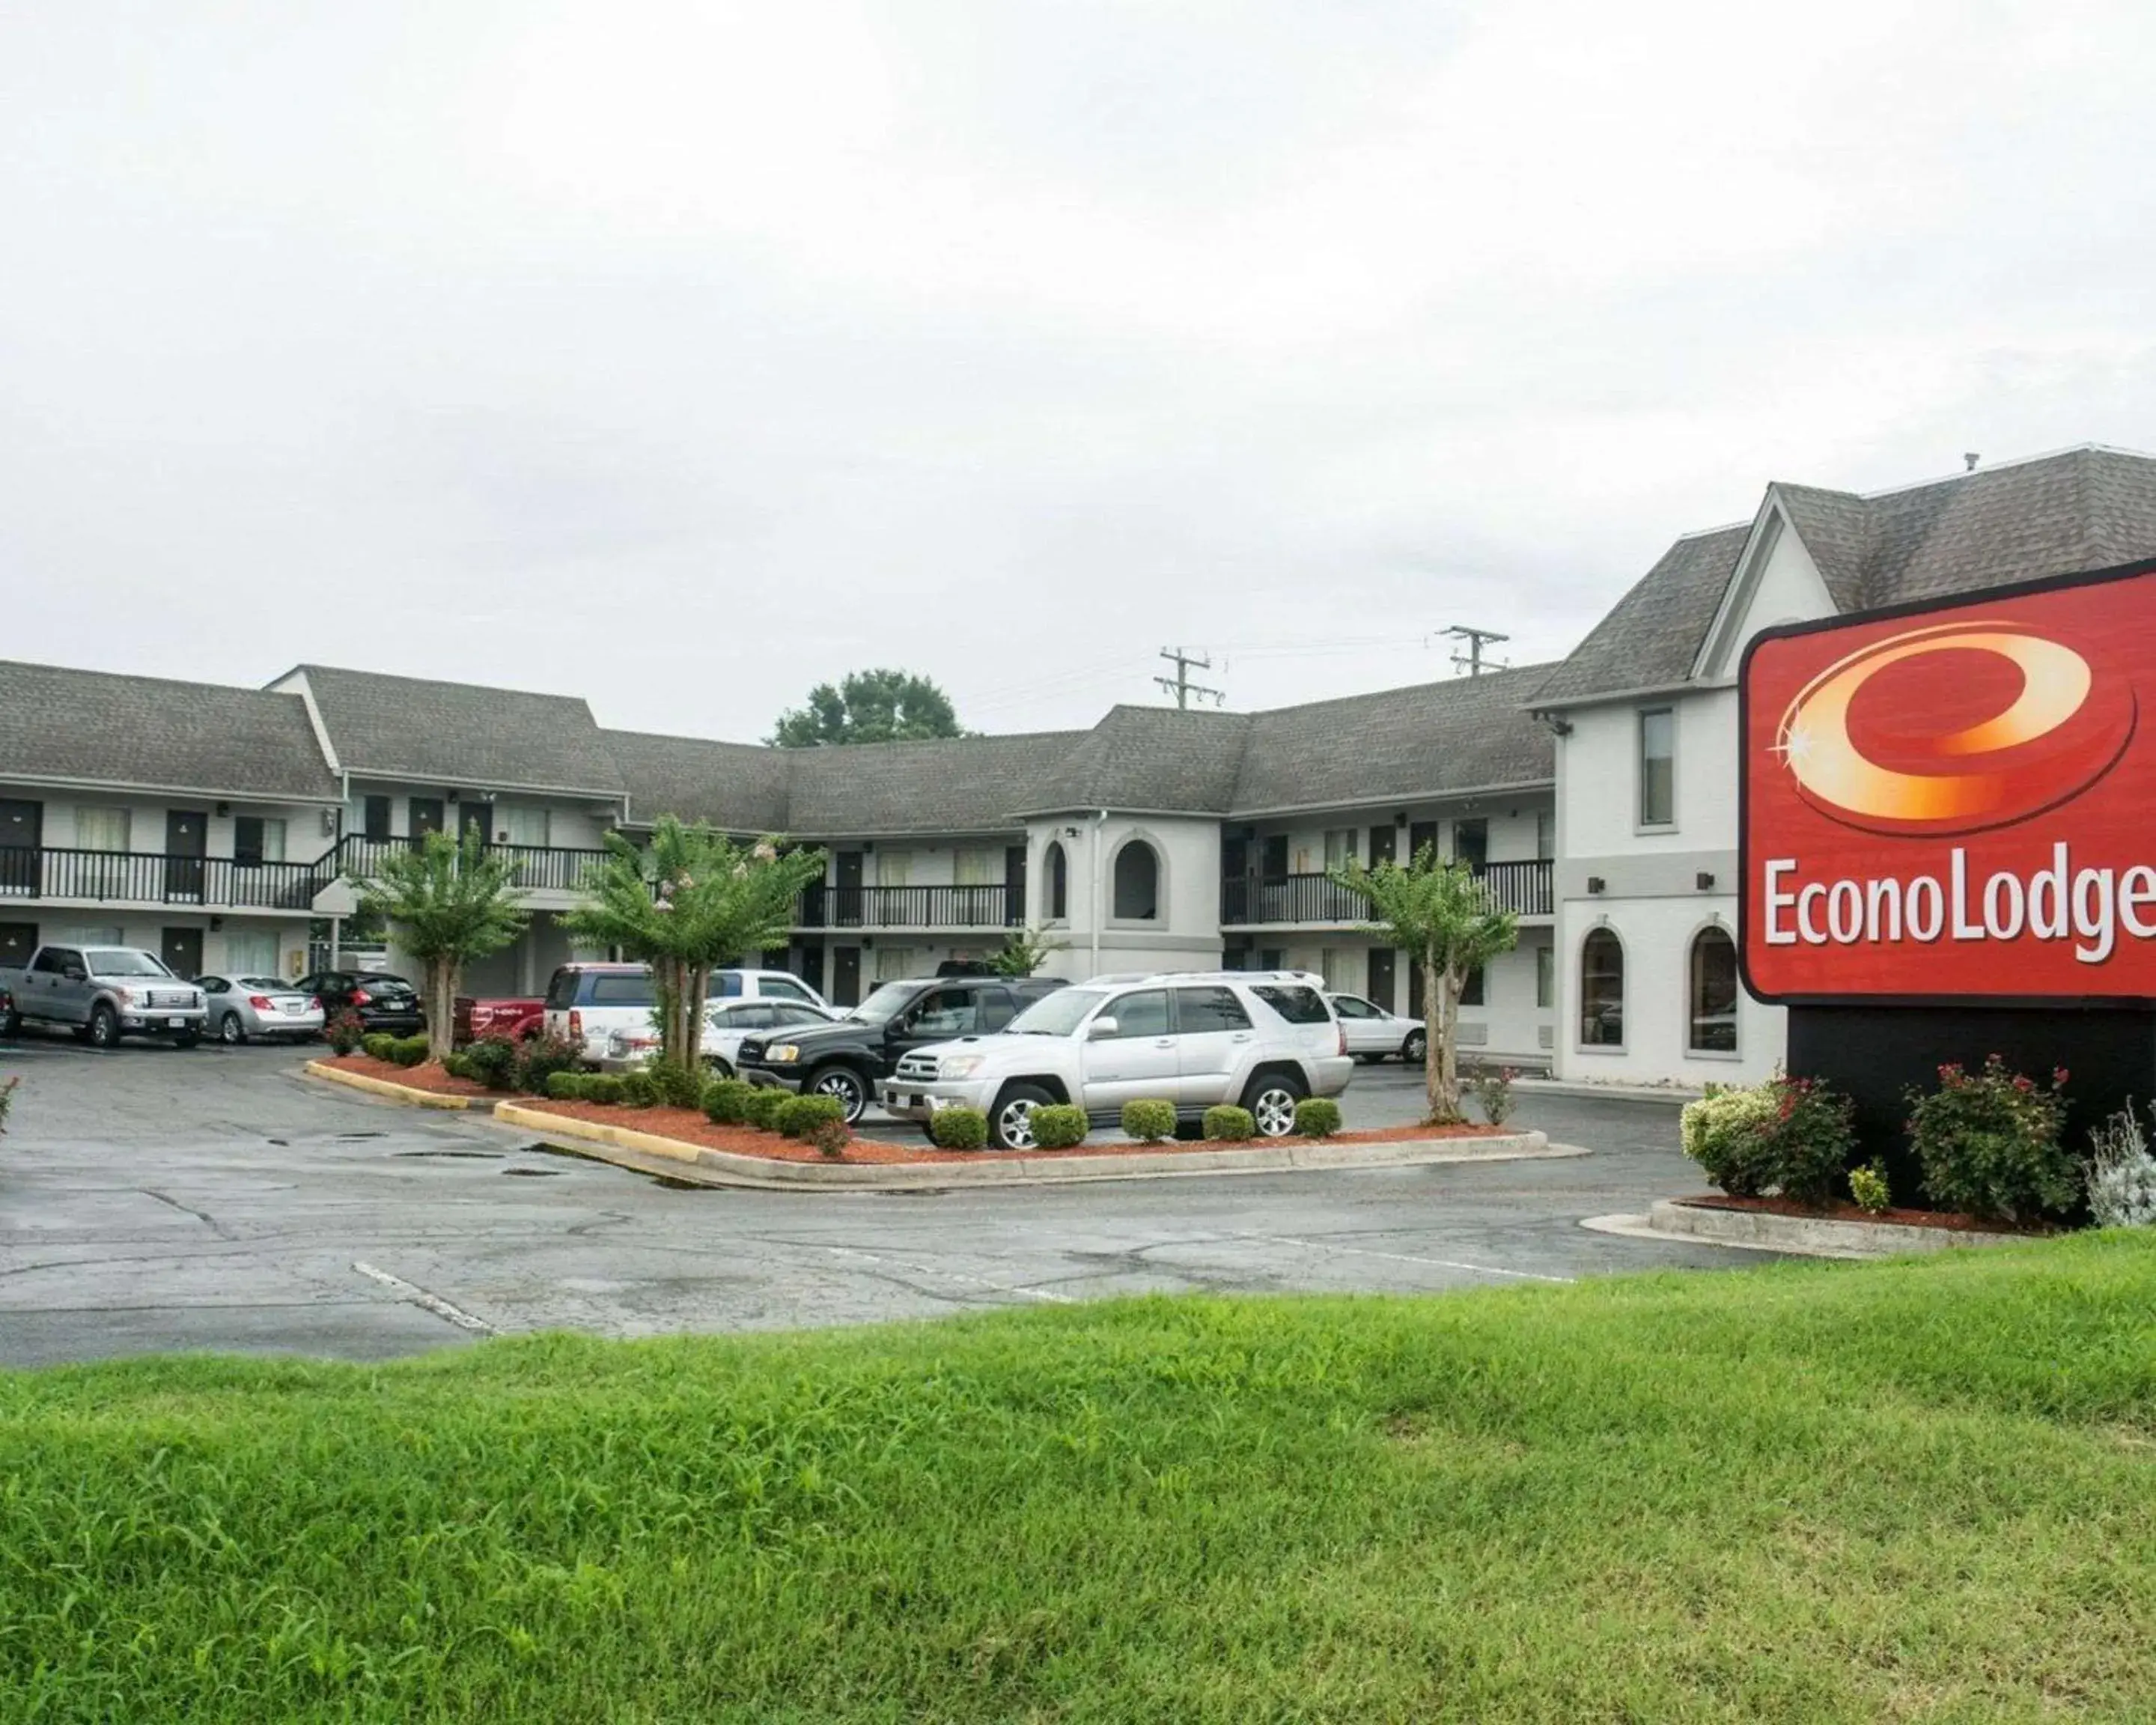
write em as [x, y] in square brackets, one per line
[1440, 915]
[689, 902]
[448, 903]
[1023, 951]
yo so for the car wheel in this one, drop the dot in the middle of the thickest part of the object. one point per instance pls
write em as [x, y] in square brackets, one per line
[718, 1066]
[1010, 1126]
[843, 1084]
[1414, 1048]
[1270, 1099]
[230, 1031]
[103, 1028]
[11, 1024]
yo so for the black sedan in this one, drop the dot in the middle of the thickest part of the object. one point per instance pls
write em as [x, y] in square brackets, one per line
[384, 1003]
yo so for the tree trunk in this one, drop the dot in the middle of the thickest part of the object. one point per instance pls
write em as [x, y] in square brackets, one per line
[441, 1007]
[691, 1045]
[1436, 1037]
[1446, 1108]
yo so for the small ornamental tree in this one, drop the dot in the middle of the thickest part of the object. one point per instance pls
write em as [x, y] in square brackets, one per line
[1023, 951]
[690, 900]
[1441, 916]
[448, 903]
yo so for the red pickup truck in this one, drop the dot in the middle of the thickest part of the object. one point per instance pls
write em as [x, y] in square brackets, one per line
[516, 1019]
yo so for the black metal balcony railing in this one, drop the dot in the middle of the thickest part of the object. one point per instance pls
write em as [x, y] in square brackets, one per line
[128, 877]
[540, 868]
[1524, 888]
[906, 907]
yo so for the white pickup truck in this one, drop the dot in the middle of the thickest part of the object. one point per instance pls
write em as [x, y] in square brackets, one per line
[102, 993]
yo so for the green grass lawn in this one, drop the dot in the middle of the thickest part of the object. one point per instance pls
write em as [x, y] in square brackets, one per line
[1921, 1491]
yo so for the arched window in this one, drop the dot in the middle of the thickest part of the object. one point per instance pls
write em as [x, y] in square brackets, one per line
[1137, 883]
[1712, 993]
[1601, 990]
[1058, 901]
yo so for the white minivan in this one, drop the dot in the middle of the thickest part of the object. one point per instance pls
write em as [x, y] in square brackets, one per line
[605, 1009]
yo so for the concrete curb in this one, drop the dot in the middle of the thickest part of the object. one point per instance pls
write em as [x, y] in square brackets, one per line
[677, 1160]
[407, 1094]
[1801, 1236]
[1605, 1092]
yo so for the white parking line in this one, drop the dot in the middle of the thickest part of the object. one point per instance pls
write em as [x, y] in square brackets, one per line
[433, 1302]
[1316, 1245]
[947, 1275]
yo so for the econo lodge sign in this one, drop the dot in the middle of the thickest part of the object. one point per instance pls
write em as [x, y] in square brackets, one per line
[1957, 800]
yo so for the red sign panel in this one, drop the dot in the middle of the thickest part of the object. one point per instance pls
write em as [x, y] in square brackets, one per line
[1958, 800]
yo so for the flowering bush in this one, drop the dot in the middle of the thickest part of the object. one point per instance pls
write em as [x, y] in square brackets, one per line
[1989, 1143]
[2122, 1176]
[1790, 1135]
[1493, 1093]
[345, 1032]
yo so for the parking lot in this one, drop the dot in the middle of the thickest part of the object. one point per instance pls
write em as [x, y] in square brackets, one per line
[154, 1199]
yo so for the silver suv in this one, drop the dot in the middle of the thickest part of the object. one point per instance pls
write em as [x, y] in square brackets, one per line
[1264, 1038]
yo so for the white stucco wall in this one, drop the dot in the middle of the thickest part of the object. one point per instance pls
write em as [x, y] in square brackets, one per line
[1186, 935]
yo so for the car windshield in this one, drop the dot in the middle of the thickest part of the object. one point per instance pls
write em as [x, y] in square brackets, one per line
[886, 1002]
[1057, 1015]
[120, 961]
[263, 984]
[385, 984]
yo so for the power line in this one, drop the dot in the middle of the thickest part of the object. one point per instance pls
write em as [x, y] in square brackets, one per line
[1180, 685]
[1471, 660]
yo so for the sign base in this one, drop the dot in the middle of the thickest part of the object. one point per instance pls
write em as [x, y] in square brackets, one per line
[1876, 1054]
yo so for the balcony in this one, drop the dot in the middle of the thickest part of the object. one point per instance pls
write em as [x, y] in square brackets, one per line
[119, 877]
[879, 907]
[1522, 888]
[540, 868]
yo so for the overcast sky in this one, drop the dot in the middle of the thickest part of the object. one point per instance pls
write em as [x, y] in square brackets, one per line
[683, 356]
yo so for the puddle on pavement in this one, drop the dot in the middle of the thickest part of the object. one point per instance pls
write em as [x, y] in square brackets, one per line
[538, 1174]
[449, 1155]
[354, 1137]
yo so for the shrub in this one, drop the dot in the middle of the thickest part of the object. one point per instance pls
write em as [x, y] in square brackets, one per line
[542, 1056]
[677, 1086]
[1791, 1135]
[601, 1087]
[1059, 1126]
[1316, 1117]
[409, 1050]
[1227, 1125]
[726, 1101]
[565, 1086]
[377, 1045]
[2121, 1175]
[958, 1128]
[457, 1067]
[1989, 1143]
[761, 1109]
[1867, 1186]
[345, 1032]
[1148, 1121]
[1492, 1089]
[638, 1091]
[831, 1138]
[492, 1062]
[799, 1116]
[1728, 1133]
[7, 1101]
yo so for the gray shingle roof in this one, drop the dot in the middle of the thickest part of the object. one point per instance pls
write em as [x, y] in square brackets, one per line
[461, 734]
[2087, 508]
[1461, 735]
[740, 786]
[959, 784]
[1151, 758]
[95, 727]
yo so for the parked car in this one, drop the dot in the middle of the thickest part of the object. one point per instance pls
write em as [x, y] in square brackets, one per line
[846, 1060]
[590, 1004]
[242, 1007]
[103, 993]
[1374, 1033]
[728, 1023]
[514, 1019]
[1263, 1039]
[383, 1002]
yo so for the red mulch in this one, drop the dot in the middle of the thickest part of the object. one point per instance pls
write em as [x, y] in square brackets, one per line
[1841, 1211]
[692, 1127]
[428, 1077]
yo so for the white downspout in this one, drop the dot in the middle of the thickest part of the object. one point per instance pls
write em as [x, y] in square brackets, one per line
[1099, 821]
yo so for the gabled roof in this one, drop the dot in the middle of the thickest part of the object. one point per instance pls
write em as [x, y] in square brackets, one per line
[740, 786]
[1154, 759]
[1465, 734]
[462, 734]
[2087, 508]
[97, 728]
[955, 785]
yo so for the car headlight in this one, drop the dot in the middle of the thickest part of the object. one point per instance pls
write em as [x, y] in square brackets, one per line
[126, 997]
[782, 1054]
[960, 1066]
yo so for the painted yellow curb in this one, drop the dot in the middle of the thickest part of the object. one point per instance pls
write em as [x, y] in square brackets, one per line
[404, 1093]
[598, 1132]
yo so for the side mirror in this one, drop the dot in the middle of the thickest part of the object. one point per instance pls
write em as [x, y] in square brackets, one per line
[75, 973]
[1100, 1029]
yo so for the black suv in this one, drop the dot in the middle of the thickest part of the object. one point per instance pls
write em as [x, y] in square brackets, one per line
[845, 1059]
[384, 1003]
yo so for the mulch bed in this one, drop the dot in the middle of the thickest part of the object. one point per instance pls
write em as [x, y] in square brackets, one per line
[1954, 1221]
[430, 1077]
[692, 1127]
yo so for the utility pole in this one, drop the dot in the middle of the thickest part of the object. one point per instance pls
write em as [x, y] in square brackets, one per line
[1471, 660]
[1180, 685]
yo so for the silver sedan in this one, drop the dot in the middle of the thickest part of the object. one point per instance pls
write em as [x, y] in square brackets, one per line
[242, 1007]
[1375, 1035]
